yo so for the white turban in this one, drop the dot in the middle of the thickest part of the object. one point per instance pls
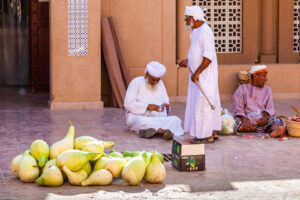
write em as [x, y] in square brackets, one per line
[258, 68]
[155, 69]
[196, 12]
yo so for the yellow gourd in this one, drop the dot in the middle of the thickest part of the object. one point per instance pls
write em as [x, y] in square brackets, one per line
[63, 145]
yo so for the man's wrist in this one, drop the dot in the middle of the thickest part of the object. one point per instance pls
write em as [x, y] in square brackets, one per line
[244, 119]
[199, 70]
[265, 114]
[266, 118]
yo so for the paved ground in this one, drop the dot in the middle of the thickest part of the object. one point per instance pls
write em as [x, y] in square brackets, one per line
[237, 168]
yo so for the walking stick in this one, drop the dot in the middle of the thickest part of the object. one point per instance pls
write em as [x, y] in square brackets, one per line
[198, 84]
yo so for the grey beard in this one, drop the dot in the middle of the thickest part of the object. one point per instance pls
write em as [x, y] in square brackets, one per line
[151, 87]
[188, 27]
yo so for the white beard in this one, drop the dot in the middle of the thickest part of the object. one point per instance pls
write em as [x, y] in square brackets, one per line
[188, 27]
[151, 87]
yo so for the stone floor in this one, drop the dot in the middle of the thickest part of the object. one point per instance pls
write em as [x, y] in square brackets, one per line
[236, 168]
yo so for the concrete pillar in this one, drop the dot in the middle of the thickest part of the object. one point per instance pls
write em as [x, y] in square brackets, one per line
[75, 81]
[269, 29]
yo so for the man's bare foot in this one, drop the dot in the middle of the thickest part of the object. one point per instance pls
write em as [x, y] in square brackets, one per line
[160, 131]
[215, 135]
[209, 140]
[168, 135]
[278, 132]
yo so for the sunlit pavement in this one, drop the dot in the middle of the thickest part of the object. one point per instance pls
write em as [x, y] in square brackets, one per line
[236, 168]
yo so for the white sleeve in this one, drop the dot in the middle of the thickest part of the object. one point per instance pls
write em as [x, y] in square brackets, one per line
[165, 94]
[132, 103]
[208, 46]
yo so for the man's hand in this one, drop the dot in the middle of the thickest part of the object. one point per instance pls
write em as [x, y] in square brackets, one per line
[166, 106]
[262, 121]
[195, 77]
[183, 63]
[153, 107]
[247, 126]
[205, 63]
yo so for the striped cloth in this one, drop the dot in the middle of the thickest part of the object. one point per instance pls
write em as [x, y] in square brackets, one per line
[262, 129]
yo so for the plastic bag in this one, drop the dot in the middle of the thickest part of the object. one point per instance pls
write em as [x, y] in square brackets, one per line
[159, 114]
[162, 112]
[162, 108]
[254, 116]
[228, 122]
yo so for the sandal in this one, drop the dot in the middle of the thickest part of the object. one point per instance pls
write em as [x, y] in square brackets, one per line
[142, 133]
[215, 136]
[168, 135]
[150, 132]
[206, 141]
[196, 141]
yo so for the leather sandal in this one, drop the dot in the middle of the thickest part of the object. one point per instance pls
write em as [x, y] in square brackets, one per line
[206, 141]
[215, 136]
[196, 141]
[150, 132]
[168, 135]
[142, 133]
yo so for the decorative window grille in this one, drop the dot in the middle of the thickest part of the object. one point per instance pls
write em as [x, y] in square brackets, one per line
[296, 24]
[77, 28]
[225, 19]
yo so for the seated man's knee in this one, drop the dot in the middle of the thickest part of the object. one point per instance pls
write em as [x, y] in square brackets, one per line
[175, 118]
[140, 121]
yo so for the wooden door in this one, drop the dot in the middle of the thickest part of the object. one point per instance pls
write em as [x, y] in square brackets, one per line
[38, 46]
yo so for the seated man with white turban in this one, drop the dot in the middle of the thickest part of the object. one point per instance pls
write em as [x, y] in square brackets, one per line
[253, 105]
[147, 105]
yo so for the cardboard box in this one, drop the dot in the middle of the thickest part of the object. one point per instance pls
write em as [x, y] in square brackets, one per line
[182, 147]
[187, 156]
[188, 163]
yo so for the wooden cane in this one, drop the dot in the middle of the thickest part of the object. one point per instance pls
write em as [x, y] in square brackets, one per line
[208, 101]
